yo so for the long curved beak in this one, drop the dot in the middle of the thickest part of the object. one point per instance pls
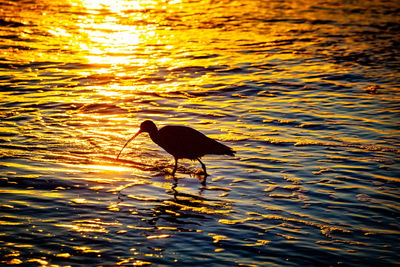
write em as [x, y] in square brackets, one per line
[128, 142]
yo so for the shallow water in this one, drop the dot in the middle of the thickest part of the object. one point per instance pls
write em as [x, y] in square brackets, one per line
[306, 92]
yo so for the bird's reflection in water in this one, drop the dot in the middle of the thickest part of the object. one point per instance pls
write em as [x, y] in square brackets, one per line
[181, 208]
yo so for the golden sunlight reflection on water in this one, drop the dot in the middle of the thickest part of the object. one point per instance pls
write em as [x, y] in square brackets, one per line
[305, 92]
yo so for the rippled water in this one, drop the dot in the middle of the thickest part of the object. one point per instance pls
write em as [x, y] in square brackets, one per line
[306, 92]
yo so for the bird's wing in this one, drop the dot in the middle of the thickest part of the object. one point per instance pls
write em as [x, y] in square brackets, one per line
[185, 142]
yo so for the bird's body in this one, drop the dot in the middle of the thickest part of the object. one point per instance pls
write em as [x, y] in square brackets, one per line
[183, 142]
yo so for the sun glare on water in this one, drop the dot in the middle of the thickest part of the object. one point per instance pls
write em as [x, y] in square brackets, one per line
[114, 39]
[112, 5]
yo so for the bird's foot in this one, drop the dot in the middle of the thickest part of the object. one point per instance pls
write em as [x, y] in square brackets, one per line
[202, 176]
[203, 180]
[200, 173]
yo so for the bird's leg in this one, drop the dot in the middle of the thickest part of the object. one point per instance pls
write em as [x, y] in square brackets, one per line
[205, 171]
[175, 167]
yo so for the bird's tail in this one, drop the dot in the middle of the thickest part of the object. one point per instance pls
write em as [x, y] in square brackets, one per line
[221, 149]
[231, 152]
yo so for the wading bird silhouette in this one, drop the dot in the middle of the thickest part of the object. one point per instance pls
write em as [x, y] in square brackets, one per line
[182, 142]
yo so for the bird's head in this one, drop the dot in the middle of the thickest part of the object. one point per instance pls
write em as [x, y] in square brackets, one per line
[148, 126]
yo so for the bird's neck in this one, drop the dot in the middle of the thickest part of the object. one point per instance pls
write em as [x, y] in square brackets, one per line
[154, 136]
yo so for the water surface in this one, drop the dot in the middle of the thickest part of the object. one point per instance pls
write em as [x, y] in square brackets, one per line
[306, 92]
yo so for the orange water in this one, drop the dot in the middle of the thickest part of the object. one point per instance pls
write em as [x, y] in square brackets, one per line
[306, 92]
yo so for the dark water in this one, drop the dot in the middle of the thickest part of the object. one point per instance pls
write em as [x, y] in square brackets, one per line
[306, 92]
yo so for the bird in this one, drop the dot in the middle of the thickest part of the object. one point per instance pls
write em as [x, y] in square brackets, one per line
[182, 142]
